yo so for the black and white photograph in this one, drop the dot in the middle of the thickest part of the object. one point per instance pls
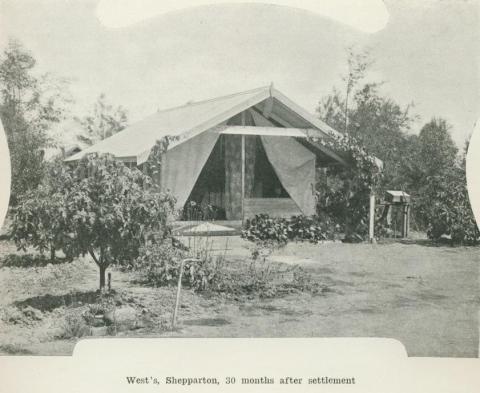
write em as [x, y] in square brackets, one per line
[238, 170]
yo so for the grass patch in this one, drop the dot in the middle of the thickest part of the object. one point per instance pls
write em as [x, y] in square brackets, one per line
[14, 349]
[30, 260]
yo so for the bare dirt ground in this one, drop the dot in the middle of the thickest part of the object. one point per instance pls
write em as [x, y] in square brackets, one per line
[426, 296]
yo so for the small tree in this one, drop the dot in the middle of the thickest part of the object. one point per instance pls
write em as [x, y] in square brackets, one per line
[113, 209]
[378, 122]
[358, 64]
[29, 106]
[101, 208]
[449, 212]
[439, 180]
[437, 144]
[435, 165]
[104, 121]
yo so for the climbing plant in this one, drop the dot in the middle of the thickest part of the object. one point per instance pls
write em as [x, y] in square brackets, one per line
[154, 162]
[344, 196]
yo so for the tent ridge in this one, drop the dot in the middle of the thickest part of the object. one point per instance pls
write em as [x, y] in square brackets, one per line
[193, 103]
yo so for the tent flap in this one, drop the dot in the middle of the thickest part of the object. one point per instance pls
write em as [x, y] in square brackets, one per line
[294, 165]
[183, 164]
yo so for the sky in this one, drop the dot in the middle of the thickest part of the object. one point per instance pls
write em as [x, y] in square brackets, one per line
[426, 54]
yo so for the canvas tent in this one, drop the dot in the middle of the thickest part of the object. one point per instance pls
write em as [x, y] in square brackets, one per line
[244, 154]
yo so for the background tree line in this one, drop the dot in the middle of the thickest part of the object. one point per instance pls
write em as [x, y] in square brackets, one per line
[429, 166]
[32, 105]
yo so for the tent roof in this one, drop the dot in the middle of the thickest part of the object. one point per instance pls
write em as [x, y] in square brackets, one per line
[135, 142]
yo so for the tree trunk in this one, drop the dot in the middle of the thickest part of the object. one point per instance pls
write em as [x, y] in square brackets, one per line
[101, 266]
[52, 254]
[102, 276]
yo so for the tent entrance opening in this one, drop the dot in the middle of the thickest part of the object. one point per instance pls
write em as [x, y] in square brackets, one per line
[217, 194]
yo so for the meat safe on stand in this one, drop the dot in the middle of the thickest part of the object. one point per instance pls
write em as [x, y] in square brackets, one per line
[397, 208]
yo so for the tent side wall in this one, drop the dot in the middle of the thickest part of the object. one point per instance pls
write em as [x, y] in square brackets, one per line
[182, 165]
[295, 167]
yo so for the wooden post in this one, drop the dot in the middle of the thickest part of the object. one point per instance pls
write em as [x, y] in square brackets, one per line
[243, 177]
[408, 220]
[243, 120]
[371, 226]
[405, 220]
[395, 226]
[109, 282]
[179, 289]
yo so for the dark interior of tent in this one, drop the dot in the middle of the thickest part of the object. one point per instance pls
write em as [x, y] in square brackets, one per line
[218, 189]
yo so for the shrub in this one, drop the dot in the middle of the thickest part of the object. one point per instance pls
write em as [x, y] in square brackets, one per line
[24, 316]
[75, 326]
[206, 273]
[159, 265]
[304, 282]
[281, 230]
[40, 218]
[95, 313]
[260, 276]
[266, 279]
[29, 260]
